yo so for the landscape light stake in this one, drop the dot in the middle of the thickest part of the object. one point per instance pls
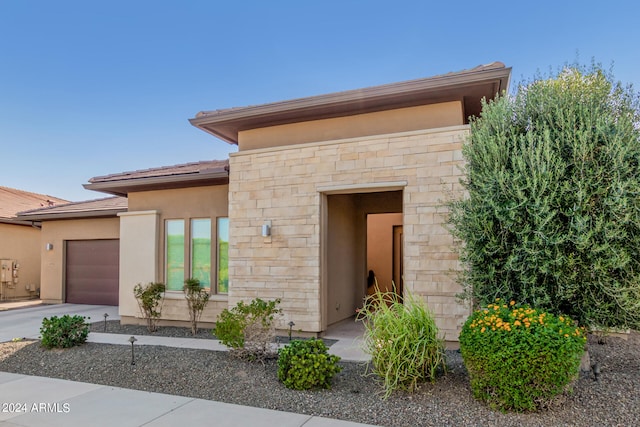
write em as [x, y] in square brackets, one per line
[291, 325]
[132, 340]
[596, 371]
[105, 321]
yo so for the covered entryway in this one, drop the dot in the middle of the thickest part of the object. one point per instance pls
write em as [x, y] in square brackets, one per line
[359, 236]
[92, 271]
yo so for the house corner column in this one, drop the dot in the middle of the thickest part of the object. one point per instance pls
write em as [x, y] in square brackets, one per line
[138, 255]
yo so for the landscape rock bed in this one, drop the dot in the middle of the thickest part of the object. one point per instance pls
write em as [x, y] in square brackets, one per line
[114, 327]
[613, 400]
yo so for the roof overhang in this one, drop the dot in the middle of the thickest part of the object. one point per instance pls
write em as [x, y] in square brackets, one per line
[11, 221]
[50, 216]
[469, 87]
[122, 187]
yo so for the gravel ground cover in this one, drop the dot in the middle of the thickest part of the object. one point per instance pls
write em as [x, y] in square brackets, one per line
[114, 327]
[614, 400]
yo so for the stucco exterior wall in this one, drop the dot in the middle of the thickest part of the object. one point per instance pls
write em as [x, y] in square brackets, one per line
[138, 256]
[22, 244]
[288, 186]
[378, 123]
[380, 247]
[142, 247]
[53, 262]
[344, 278]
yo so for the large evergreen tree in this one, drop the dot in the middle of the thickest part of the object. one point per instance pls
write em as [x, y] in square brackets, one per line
[552, 211]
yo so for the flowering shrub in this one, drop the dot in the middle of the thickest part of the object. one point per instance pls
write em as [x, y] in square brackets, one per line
[402, 339]
[520, 358]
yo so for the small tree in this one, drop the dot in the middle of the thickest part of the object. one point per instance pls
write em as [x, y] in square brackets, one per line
[197, 299]
[149, 299]
[552, 216]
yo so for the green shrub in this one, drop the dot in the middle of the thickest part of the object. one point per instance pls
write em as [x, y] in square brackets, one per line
[248, 328]
[149, 299]
[551, 217]
[402, 339]
[305, 364]
[197, 299]
[520, 358]
[64, 332]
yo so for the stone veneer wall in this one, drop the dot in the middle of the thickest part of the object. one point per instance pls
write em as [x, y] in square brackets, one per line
[283, 185]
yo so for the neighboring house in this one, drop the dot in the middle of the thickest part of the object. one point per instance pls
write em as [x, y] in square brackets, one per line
[79, 250]
[20, 243]
[321, 191]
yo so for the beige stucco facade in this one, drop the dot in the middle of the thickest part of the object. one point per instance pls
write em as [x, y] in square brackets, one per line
[368, 124]
[142, 247]
[380, 248]
[53, 261]
[316, 194]
[21, 243]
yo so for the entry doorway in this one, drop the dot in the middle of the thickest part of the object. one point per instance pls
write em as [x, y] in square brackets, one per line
[346, 247]
[384, 252]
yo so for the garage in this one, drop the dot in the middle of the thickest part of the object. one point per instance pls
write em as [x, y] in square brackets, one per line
[92, 271]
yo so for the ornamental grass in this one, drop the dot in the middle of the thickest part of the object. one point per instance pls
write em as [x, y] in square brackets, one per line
[403, 341]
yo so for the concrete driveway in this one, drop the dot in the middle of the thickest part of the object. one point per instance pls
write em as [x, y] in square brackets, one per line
[25, 322]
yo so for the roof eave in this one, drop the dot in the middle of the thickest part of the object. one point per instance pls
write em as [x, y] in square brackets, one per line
[21, 222]
[226, 124]
[105, 213]
[123, 187]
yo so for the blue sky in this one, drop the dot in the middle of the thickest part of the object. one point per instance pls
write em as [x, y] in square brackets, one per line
[90, 88]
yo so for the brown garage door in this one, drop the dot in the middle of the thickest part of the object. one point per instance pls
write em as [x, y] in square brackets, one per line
[92, 271]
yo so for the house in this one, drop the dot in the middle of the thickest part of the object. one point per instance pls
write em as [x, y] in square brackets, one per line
[20, 243]
[176, 227]
[79, 250]
[321, 191]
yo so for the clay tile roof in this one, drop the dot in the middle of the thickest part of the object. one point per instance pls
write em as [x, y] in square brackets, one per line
[13, 201]
[165, 171]
[109, 206]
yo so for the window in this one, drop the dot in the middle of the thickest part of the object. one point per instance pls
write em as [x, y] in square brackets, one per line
[174, 254]
[201, 251]
[223, 255]
[200, 256]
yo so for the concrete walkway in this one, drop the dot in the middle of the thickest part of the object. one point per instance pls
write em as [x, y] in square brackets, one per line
[25, 321]
[39, 401]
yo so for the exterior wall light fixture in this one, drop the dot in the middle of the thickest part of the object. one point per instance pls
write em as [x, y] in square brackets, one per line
[266, 229]
[49, 246]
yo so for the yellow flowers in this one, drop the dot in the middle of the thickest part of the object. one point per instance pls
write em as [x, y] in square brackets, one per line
[510, 317]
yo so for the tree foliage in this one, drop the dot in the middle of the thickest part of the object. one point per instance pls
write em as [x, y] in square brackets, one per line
[197, 300]
[552, 212]
[150, 297]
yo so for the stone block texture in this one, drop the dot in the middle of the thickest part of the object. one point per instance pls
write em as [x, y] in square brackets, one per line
[284, 185]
